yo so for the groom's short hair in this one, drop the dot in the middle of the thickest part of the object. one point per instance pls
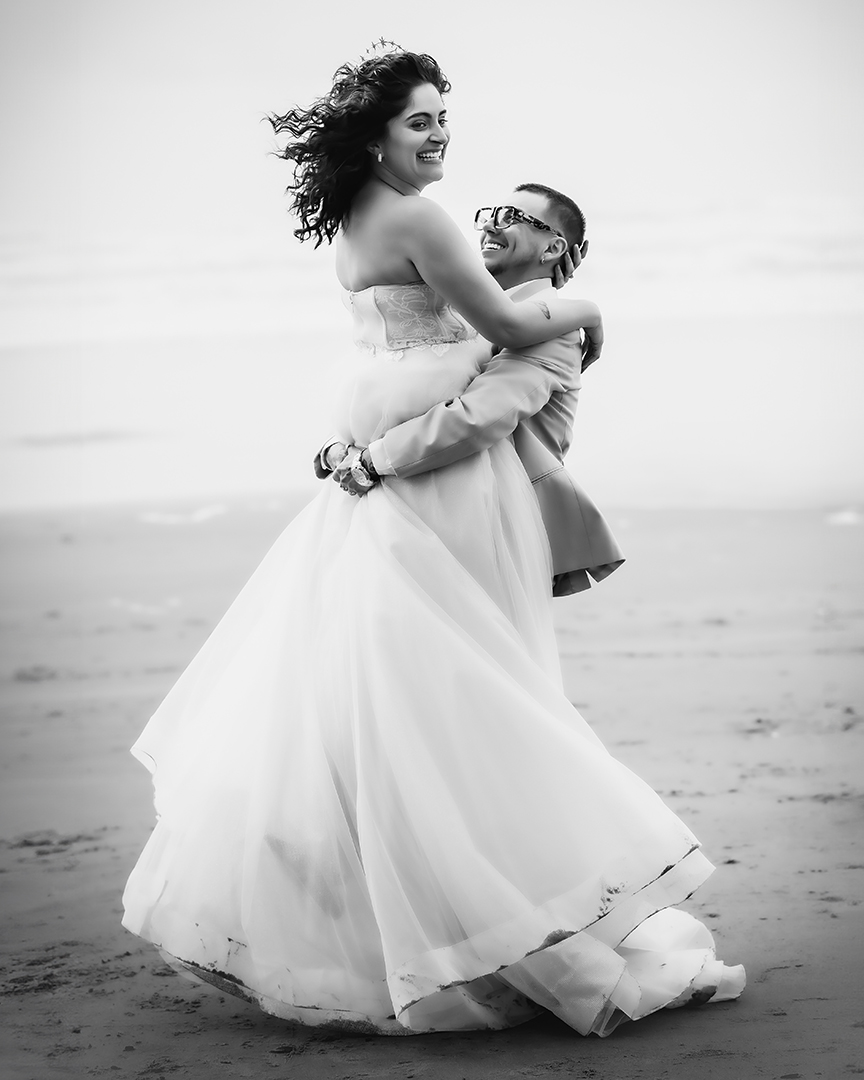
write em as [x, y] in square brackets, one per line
[568, 217]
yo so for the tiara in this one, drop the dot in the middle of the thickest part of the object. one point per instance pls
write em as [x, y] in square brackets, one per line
[379, 48]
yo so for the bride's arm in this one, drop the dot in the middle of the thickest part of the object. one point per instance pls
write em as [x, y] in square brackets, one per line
[429, 238]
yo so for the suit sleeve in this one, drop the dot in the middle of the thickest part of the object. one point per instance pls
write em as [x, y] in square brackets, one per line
[510, 389]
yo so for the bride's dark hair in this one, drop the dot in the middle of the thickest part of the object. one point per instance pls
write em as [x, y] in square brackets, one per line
[330, 140]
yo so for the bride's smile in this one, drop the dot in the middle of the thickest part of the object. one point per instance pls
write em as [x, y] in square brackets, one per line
[415, 144]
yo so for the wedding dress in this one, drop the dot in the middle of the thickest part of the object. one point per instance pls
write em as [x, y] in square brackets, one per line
[376, 807]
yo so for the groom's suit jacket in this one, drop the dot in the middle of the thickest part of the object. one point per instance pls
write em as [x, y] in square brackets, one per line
[530, 395]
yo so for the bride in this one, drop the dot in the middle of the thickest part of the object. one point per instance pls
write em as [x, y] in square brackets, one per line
[376, 807]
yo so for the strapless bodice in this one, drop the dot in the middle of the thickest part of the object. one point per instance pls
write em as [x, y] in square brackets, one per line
[414, 351]
[392, 318]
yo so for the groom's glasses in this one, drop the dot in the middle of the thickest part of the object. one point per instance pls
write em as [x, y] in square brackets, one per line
[502, 217]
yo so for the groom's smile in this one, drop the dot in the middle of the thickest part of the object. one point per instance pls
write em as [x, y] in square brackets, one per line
[515, 252]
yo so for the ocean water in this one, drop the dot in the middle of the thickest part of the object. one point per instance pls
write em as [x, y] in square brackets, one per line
[121, 421]
[685, 414]
[173, 369]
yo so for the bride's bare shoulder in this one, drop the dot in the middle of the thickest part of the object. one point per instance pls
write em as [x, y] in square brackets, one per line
[424, 210]
[422, 217]
[397, 214]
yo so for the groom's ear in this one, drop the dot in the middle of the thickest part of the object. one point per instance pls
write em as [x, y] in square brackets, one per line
[554, 249]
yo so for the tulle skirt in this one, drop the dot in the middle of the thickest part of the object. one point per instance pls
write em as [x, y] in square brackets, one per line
[378, 810]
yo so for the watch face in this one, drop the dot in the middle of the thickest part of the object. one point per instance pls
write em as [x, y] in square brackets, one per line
[361, 477]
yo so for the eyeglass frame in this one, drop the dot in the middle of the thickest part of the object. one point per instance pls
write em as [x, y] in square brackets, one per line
[519, 217]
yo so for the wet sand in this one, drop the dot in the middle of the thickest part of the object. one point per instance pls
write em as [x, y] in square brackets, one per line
[724, 663]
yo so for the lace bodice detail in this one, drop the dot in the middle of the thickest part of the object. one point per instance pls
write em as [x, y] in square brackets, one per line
[414, 352]
[392, 318]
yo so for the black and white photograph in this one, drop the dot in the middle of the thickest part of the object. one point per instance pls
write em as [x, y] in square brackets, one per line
[432, 532]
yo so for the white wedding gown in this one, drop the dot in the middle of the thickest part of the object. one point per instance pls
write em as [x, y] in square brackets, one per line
[376, 807]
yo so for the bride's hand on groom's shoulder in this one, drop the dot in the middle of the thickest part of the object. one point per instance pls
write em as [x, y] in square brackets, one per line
[592, 344]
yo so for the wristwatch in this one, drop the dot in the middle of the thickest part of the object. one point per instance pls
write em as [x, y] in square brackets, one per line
[363, 475]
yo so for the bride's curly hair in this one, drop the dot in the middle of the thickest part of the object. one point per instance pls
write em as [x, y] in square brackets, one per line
[330, 140]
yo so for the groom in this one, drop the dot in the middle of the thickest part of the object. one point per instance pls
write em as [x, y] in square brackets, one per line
[529, 394]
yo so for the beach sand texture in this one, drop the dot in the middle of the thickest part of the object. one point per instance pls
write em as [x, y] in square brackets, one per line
[723, 663]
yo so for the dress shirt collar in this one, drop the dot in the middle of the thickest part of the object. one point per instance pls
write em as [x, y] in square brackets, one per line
[528, 289]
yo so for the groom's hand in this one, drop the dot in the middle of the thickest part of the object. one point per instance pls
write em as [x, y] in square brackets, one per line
[352, 476]
[328, 458]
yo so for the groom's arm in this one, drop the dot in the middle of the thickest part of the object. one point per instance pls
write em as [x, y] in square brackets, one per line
[510, 389]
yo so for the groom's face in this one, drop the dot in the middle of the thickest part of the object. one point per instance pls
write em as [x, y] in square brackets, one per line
[518, 250]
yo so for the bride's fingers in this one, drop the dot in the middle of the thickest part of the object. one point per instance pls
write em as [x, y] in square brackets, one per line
[569, 263]
[591, 352]
[592, 346]
[563, 271]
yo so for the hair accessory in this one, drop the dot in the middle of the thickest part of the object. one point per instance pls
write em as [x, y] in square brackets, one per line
[380, 48]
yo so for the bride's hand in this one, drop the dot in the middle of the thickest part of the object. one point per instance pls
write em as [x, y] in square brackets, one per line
[593, 345]
[570, 262]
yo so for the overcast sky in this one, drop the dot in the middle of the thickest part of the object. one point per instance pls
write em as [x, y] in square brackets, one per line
[715, 146]
[146, 114]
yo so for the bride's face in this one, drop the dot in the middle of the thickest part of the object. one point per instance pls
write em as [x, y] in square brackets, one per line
[415, 141]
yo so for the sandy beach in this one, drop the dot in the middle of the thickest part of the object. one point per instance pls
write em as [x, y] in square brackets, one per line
[724, 663]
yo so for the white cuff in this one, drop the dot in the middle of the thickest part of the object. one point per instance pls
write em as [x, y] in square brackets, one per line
[380, 458]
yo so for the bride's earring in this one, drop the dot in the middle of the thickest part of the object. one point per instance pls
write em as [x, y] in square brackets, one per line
[380, 157]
